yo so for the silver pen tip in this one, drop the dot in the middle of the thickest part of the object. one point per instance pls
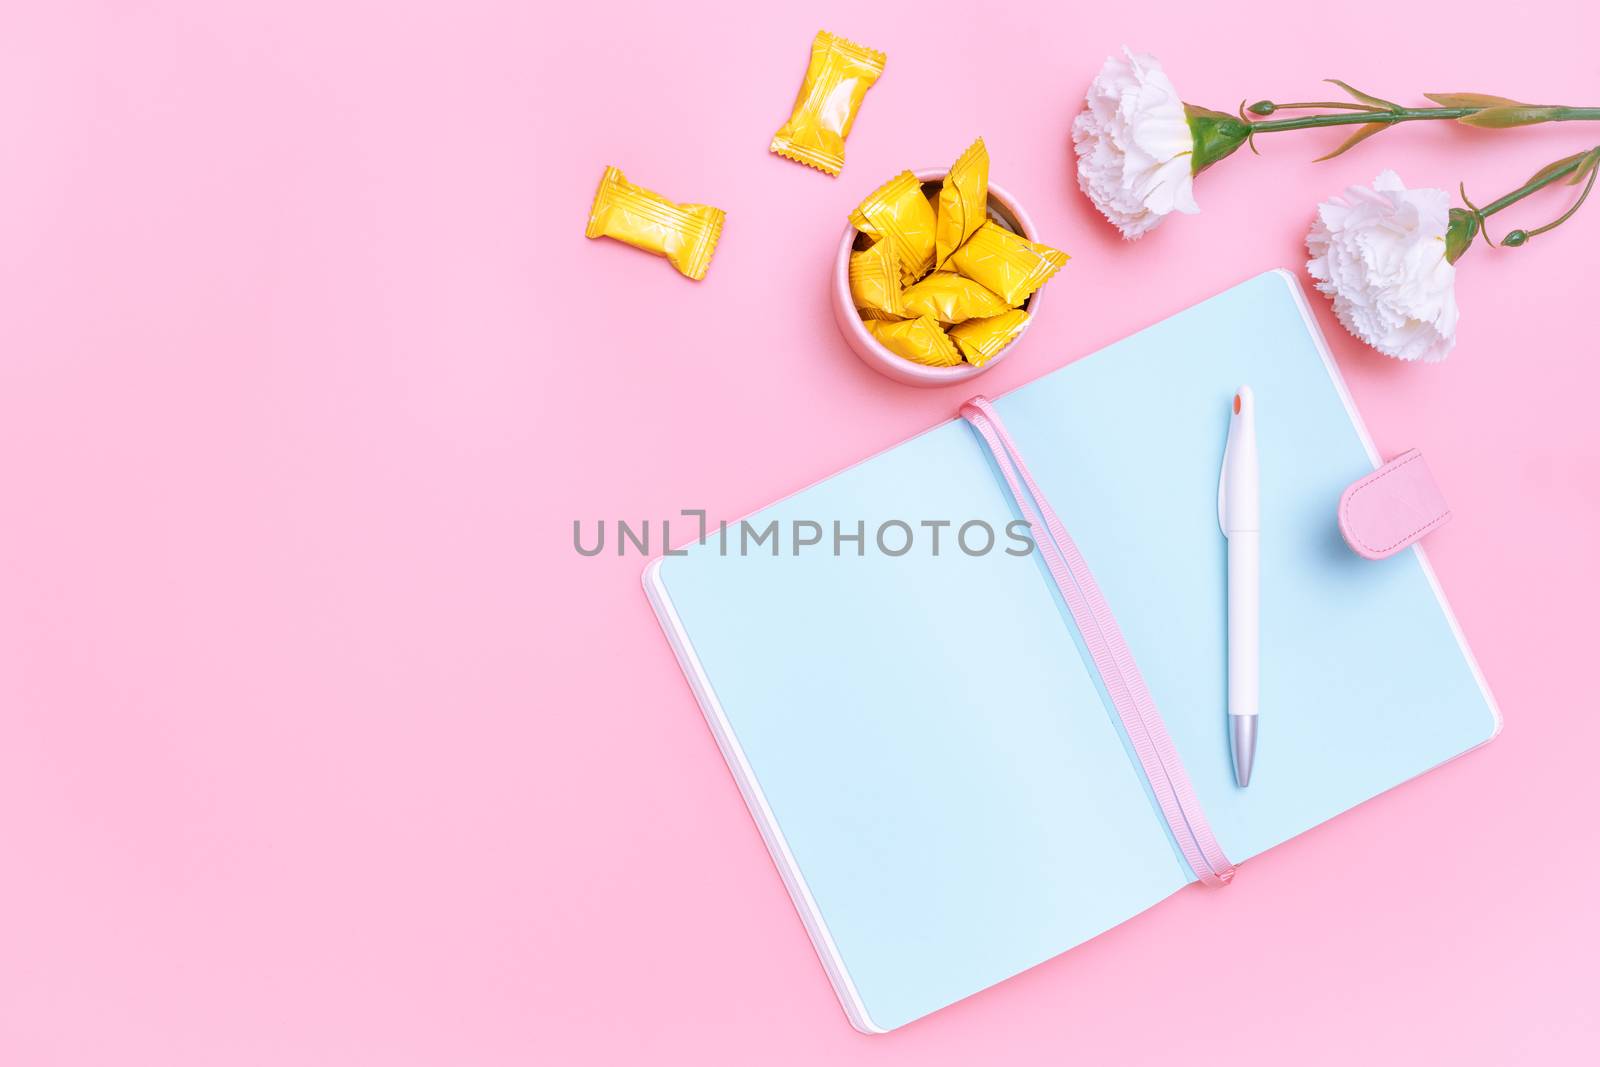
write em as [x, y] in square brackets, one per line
[1242, 739]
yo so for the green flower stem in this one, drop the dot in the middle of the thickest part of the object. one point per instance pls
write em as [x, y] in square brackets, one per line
[1218, 135]
[1543, 180]
[1361, 118]
[1306, 105]
[1407, 114]
[1466, 223]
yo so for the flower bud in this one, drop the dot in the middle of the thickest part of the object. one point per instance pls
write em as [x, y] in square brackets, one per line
[1262, 107]
[1216, 136]
[1515, 239]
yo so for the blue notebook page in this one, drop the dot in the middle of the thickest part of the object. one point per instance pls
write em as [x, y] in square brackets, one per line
[945, 785]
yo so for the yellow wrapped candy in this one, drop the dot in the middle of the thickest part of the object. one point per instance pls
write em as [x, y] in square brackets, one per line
[963, 201]
[919, 340]
[875, 283]
[838, 77]
[948, 297]
[1054, 256]
[980, 340]
[684, 233]
[1007, 265]
[898, 212]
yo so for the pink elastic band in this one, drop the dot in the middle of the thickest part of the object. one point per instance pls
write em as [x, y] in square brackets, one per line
[1158, 757]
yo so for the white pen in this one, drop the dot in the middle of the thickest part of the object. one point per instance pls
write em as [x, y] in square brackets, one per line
[1239, 512]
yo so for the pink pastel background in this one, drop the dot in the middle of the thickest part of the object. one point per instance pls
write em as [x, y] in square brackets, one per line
[319, 744]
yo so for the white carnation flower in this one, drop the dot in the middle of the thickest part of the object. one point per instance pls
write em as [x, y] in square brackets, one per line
[1380, 254]
[1134, 145]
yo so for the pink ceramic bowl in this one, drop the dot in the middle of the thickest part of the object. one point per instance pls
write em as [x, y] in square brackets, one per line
[1004, 209]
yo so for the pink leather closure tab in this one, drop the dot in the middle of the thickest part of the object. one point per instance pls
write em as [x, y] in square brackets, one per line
[1392, 507]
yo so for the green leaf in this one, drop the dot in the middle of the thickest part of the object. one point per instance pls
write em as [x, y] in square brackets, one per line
[1589, 164]
[1374, 101]
[1545, 172]
[1356, 138]
[1472, 100]
[1503, 117]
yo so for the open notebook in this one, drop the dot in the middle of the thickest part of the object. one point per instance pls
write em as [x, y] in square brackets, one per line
[930, 756]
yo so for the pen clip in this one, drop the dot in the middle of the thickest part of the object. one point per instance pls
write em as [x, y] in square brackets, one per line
[1222, 482]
